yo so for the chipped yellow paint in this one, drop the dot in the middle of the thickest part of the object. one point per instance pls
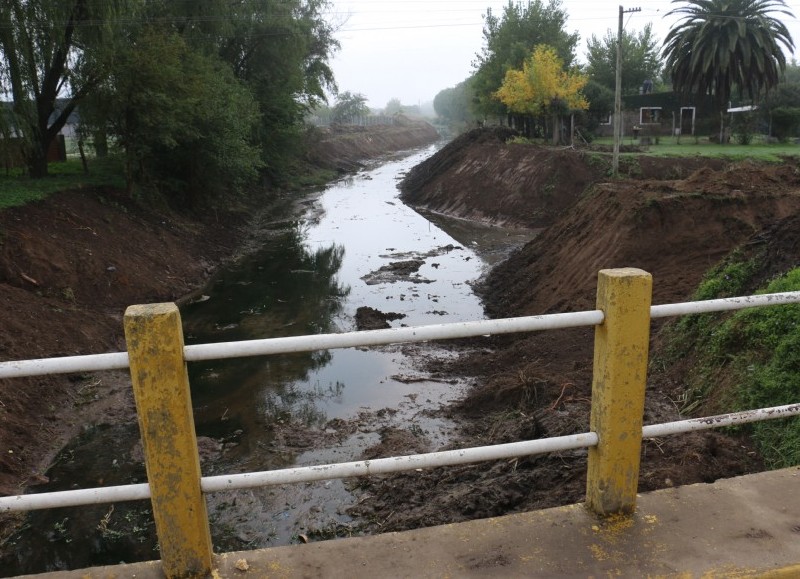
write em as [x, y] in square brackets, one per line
[598, 552]
[620, 370]
[615, 525]
[161, 389]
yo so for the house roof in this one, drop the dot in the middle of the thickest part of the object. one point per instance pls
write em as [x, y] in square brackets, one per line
[7, 114]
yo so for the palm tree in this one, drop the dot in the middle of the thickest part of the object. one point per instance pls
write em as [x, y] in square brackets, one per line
[722, 44]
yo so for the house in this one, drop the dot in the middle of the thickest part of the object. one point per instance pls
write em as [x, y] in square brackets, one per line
[10, 141]
[662, 114]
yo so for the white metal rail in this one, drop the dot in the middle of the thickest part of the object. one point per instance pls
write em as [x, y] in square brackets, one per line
[381, 337]
[218, 483]
[245, 348]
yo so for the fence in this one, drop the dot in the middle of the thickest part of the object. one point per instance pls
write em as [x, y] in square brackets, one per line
[359, 120]
[157, 359]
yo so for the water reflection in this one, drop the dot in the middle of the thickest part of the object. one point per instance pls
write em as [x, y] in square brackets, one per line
[286, 289]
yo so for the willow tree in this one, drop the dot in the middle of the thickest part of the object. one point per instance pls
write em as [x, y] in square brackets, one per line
[51, 49]
[281, 49]
[724, 45]
[543, 86]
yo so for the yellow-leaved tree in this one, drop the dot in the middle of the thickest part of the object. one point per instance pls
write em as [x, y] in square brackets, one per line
[542, 87]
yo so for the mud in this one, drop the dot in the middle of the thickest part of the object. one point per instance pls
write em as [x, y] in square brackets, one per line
[368, 318]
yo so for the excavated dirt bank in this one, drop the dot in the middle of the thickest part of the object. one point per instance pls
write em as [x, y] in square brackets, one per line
[481, 176]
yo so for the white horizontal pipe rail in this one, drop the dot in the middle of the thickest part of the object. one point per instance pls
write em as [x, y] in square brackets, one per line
[720, 420]
[75, 498]
[119, 360]
[398, 463]
[244, 348]
[385, 465]
[392, 336]
[306, 473]
[724, 304]
[66, 365]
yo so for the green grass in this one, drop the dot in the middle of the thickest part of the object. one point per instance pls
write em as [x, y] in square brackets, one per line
[755, 353]
[763, 346]
[17, 189]
[669, 147]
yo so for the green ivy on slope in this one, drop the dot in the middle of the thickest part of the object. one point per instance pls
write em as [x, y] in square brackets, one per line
[747, 360]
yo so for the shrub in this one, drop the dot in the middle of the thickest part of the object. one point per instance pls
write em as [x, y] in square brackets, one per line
[785, 123]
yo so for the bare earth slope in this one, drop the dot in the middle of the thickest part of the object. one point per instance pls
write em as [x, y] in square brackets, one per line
[482, 176]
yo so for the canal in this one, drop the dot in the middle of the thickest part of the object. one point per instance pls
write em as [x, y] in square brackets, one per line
[353, 245]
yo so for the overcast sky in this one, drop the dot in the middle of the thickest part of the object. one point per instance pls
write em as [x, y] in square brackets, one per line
[412, 49]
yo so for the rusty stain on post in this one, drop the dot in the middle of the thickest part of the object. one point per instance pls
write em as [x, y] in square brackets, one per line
[618, 387]
[161, 388]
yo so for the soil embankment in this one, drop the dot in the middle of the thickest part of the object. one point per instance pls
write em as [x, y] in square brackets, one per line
[673, 217]
[483, 175]
[344, 148]
[71, 264]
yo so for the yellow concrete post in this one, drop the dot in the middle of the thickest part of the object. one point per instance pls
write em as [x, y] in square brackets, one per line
[621, 346]
[163, 403]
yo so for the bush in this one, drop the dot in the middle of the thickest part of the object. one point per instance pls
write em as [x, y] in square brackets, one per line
[743, 127]
[785, 123]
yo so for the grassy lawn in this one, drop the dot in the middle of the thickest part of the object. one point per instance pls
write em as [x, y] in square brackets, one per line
[670, 147]
[18, 189]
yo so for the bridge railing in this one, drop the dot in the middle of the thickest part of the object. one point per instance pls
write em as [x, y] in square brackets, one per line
[157, 360]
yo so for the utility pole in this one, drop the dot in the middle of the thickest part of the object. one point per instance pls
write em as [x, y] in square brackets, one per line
[618, 93]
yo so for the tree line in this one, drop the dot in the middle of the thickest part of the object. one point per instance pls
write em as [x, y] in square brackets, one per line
[718, 49]
[197, 95]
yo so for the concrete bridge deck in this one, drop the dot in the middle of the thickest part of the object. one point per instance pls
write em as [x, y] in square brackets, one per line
[742, 527]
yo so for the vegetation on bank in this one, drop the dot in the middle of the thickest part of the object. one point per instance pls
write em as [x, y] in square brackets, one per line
[19, 189]
[199, 100]
[746, 360]
[690, 147]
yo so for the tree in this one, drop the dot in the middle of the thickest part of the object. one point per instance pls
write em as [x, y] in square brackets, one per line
[722, 44]
[601, 103]
[508, 41]
[280, 49]
[394, 106]
[183, 122]
[453, 105]
[640, 59]
[543, 86]
[348, 106]
[53, 49]
[780, 109]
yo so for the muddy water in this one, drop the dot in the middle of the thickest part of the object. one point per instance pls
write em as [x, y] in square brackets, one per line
[309, 277]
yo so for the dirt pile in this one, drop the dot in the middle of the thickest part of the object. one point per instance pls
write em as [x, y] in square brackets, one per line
[675, 229]
[484, 177]
[69, 266]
